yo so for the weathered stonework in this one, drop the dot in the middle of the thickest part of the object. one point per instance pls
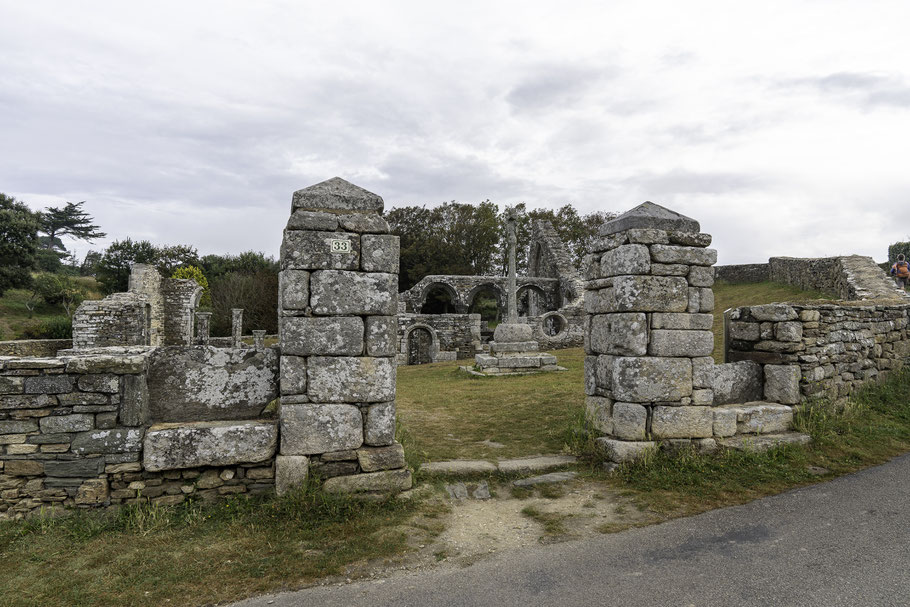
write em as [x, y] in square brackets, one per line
[338, 327]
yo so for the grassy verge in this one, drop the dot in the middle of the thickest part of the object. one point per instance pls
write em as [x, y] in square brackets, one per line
[193, 554]
[870, 428]
[448, 414]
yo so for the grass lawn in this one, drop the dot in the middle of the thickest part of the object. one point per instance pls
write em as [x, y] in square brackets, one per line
[193, 554]
[447, 414]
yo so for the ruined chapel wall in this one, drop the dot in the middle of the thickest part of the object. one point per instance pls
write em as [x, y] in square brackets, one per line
[459, 333]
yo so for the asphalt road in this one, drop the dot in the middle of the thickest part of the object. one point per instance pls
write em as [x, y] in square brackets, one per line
[844, 542]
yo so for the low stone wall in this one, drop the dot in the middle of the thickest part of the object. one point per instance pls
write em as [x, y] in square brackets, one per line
[453, 333]
[829, 349]
[849, 277]
[743, 273]
[34, 347]
[74, 431]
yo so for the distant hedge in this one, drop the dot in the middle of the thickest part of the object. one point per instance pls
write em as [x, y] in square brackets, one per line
[896, 249]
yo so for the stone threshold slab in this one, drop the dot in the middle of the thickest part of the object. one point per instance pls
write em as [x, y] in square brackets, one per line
[530, 371]
[537, 463]
[763, 442]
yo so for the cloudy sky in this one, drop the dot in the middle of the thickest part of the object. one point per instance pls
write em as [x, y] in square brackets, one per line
[783, 127]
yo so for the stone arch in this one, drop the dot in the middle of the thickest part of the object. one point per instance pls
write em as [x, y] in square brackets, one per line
[440, 285]
[546, 320]
[535, 292]
[433, 346]
[501, 302]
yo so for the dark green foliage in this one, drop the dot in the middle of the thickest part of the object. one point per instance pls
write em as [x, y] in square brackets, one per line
[113, 269]
[58, 290]
[70, 221]
[453, 238]
[256, 293]
[90, 263]
[896, 249]
[466, 239]
[249, 262]
[56, 327]
[18, 243]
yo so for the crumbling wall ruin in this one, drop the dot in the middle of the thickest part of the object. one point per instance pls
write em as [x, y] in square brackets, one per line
[79, 430]
[155, 311]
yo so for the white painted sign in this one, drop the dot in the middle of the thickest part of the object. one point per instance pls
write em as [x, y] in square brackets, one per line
[341, 246]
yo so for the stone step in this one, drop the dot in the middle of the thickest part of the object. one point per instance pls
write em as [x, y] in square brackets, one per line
[757, 417]
[536, 463]
[545, 479]
[763, 442]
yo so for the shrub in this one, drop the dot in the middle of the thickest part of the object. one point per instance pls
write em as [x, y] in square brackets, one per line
[195, 273]
[896, 249]
[56, 327]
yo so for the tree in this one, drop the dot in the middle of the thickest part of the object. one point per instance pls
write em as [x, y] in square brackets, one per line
[248, 262]
[113, 270]
[453, 238]
[896, 249]
[18, 243]
[194, 273]
[70, 221]
[56, 289]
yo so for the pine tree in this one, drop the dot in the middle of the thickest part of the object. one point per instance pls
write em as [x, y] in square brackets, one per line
[70, 221]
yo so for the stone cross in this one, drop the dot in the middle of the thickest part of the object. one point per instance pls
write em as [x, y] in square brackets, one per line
[512, 239]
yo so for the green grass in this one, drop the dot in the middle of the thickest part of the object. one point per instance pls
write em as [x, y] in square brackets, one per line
[15, 316]
[193, 554]
[727, 295]
[447, 414]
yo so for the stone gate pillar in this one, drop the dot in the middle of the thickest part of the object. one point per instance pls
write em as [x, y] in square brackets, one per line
[648, 340]
[337, 328]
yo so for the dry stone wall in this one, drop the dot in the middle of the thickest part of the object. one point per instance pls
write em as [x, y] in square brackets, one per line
[452, 335]
[34, 347]
[78, 431]
[337, 328]
[829, 349]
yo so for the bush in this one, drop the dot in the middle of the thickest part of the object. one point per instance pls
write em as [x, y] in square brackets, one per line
[56, 327]
[896, 249]
[194, 273]
[256, 293]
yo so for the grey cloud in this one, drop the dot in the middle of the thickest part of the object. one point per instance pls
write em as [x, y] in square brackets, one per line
[680, 181]
[869, 90]
[415, 178]
[550, 86]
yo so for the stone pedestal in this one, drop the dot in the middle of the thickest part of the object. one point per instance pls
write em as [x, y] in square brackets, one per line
[338, 299]
[513, 351]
